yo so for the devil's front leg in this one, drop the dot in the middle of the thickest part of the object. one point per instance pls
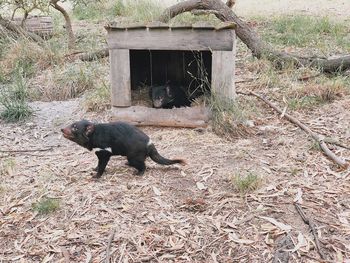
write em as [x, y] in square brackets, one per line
[103, 158]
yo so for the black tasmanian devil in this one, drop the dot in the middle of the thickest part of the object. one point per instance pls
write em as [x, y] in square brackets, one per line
[118, 138]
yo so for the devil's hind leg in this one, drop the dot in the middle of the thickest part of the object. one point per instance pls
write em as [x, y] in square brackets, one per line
[138, 162]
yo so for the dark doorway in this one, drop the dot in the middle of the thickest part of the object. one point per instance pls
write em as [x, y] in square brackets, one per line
[190, 69]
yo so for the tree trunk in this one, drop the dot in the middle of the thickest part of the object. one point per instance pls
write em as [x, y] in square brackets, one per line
[259, 47]
[69, 29]
[19, 30]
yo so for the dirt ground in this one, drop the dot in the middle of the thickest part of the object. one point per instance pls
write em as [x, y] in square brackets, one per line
[177, 214]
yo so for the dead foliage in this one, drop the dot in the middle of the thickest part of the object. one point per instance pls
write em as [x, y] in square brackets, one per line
[173, 214]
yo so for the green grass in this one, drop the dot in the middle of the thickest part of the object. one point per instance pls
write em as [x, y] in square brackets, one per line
[7, 166]
[46, 206]
[98, 10]
[142, 10]
[246, 183]
[307, 31]
[14, 98]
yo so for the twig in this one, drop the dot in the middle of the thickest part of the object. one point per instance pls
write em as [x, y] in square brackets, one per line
[110, 239]
[335, 142]
[312, 227]
[306, 78]
[340, 161]
[31, 150]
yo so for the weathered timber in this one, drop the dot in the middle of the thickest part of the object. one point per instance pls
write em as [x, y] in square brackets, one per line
[120, 77]
[189, 117]
[167, 39]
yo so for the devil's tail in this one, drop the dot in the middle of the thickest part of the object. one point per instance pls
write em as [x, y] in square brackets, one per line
[155, 156]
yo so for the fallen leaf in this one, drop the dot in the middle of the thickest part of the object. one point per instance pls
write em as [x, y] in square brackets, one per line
[156, 191]
[234, 238]
[201, 186]
[280, 225]
[298, 198]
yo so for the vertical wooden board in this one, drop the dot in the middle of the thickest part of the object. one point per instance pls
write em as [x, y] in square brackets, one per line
[223, 70]
[120, 77]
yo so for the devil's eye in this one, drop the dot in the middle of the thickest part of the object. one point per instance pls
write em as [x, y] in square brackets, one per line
[74, 128]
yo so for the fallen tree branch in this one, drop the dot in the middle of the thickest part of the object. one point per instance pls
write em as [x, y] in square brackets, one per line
[312, 227]
[338, 160]
[252, 40]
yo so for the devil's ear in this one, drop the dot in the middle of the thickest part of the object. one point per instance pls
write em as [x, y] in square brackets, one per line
[89, 129]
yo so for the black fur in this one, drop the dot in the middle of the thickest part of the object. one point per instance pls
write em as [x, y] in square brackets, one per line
[168, 96]
[124, 139]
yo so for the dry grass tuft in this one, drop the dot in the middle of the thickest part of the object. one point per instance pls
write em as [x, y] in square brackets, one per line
[27, 55]
[67, 81]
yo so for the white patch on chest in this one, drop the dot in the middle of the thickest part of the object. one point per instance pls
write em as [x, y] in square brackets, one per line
[149, 142]
[108, 149]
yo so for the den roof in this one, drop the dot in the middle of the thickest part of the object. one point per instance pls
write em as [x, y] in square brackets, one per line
[160, 25]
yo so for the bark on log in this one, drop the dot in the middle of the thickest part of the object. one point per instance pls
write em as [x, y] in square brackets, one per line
[69, 28]
[249, 37]
[19, 30]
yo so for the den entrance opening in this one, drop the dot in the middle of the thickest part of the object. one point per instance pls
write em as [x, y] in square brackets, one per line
[169, 78]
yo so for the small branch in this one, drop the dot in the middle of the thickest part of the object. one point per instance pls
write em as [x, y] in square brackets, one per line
[335, 142]
[312, 227]
[108, 251]
[31, 150]
[340, 161]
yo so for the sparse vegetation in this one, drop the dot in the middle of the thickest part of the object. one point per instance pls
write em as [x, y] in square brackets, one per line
[14, 98]
[195, 213]
[46, 205]
[7, 166]
[306, 31]
[246, 183]
[229, 119]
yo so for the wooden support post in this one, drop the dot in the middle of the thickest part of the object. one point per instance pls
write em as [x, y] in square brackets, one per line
[223, 71]
[120, 77]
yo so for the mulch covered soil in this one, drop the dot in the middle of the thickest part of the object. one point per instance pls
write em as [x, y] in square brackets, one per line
[189, 213]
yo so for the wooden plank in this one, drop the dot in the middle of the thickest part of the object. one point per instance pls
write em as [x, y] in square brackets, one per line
[223, 70]
[180, 39]
[181, 26]
[190, 117]
[120, 77]
[157, 24]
